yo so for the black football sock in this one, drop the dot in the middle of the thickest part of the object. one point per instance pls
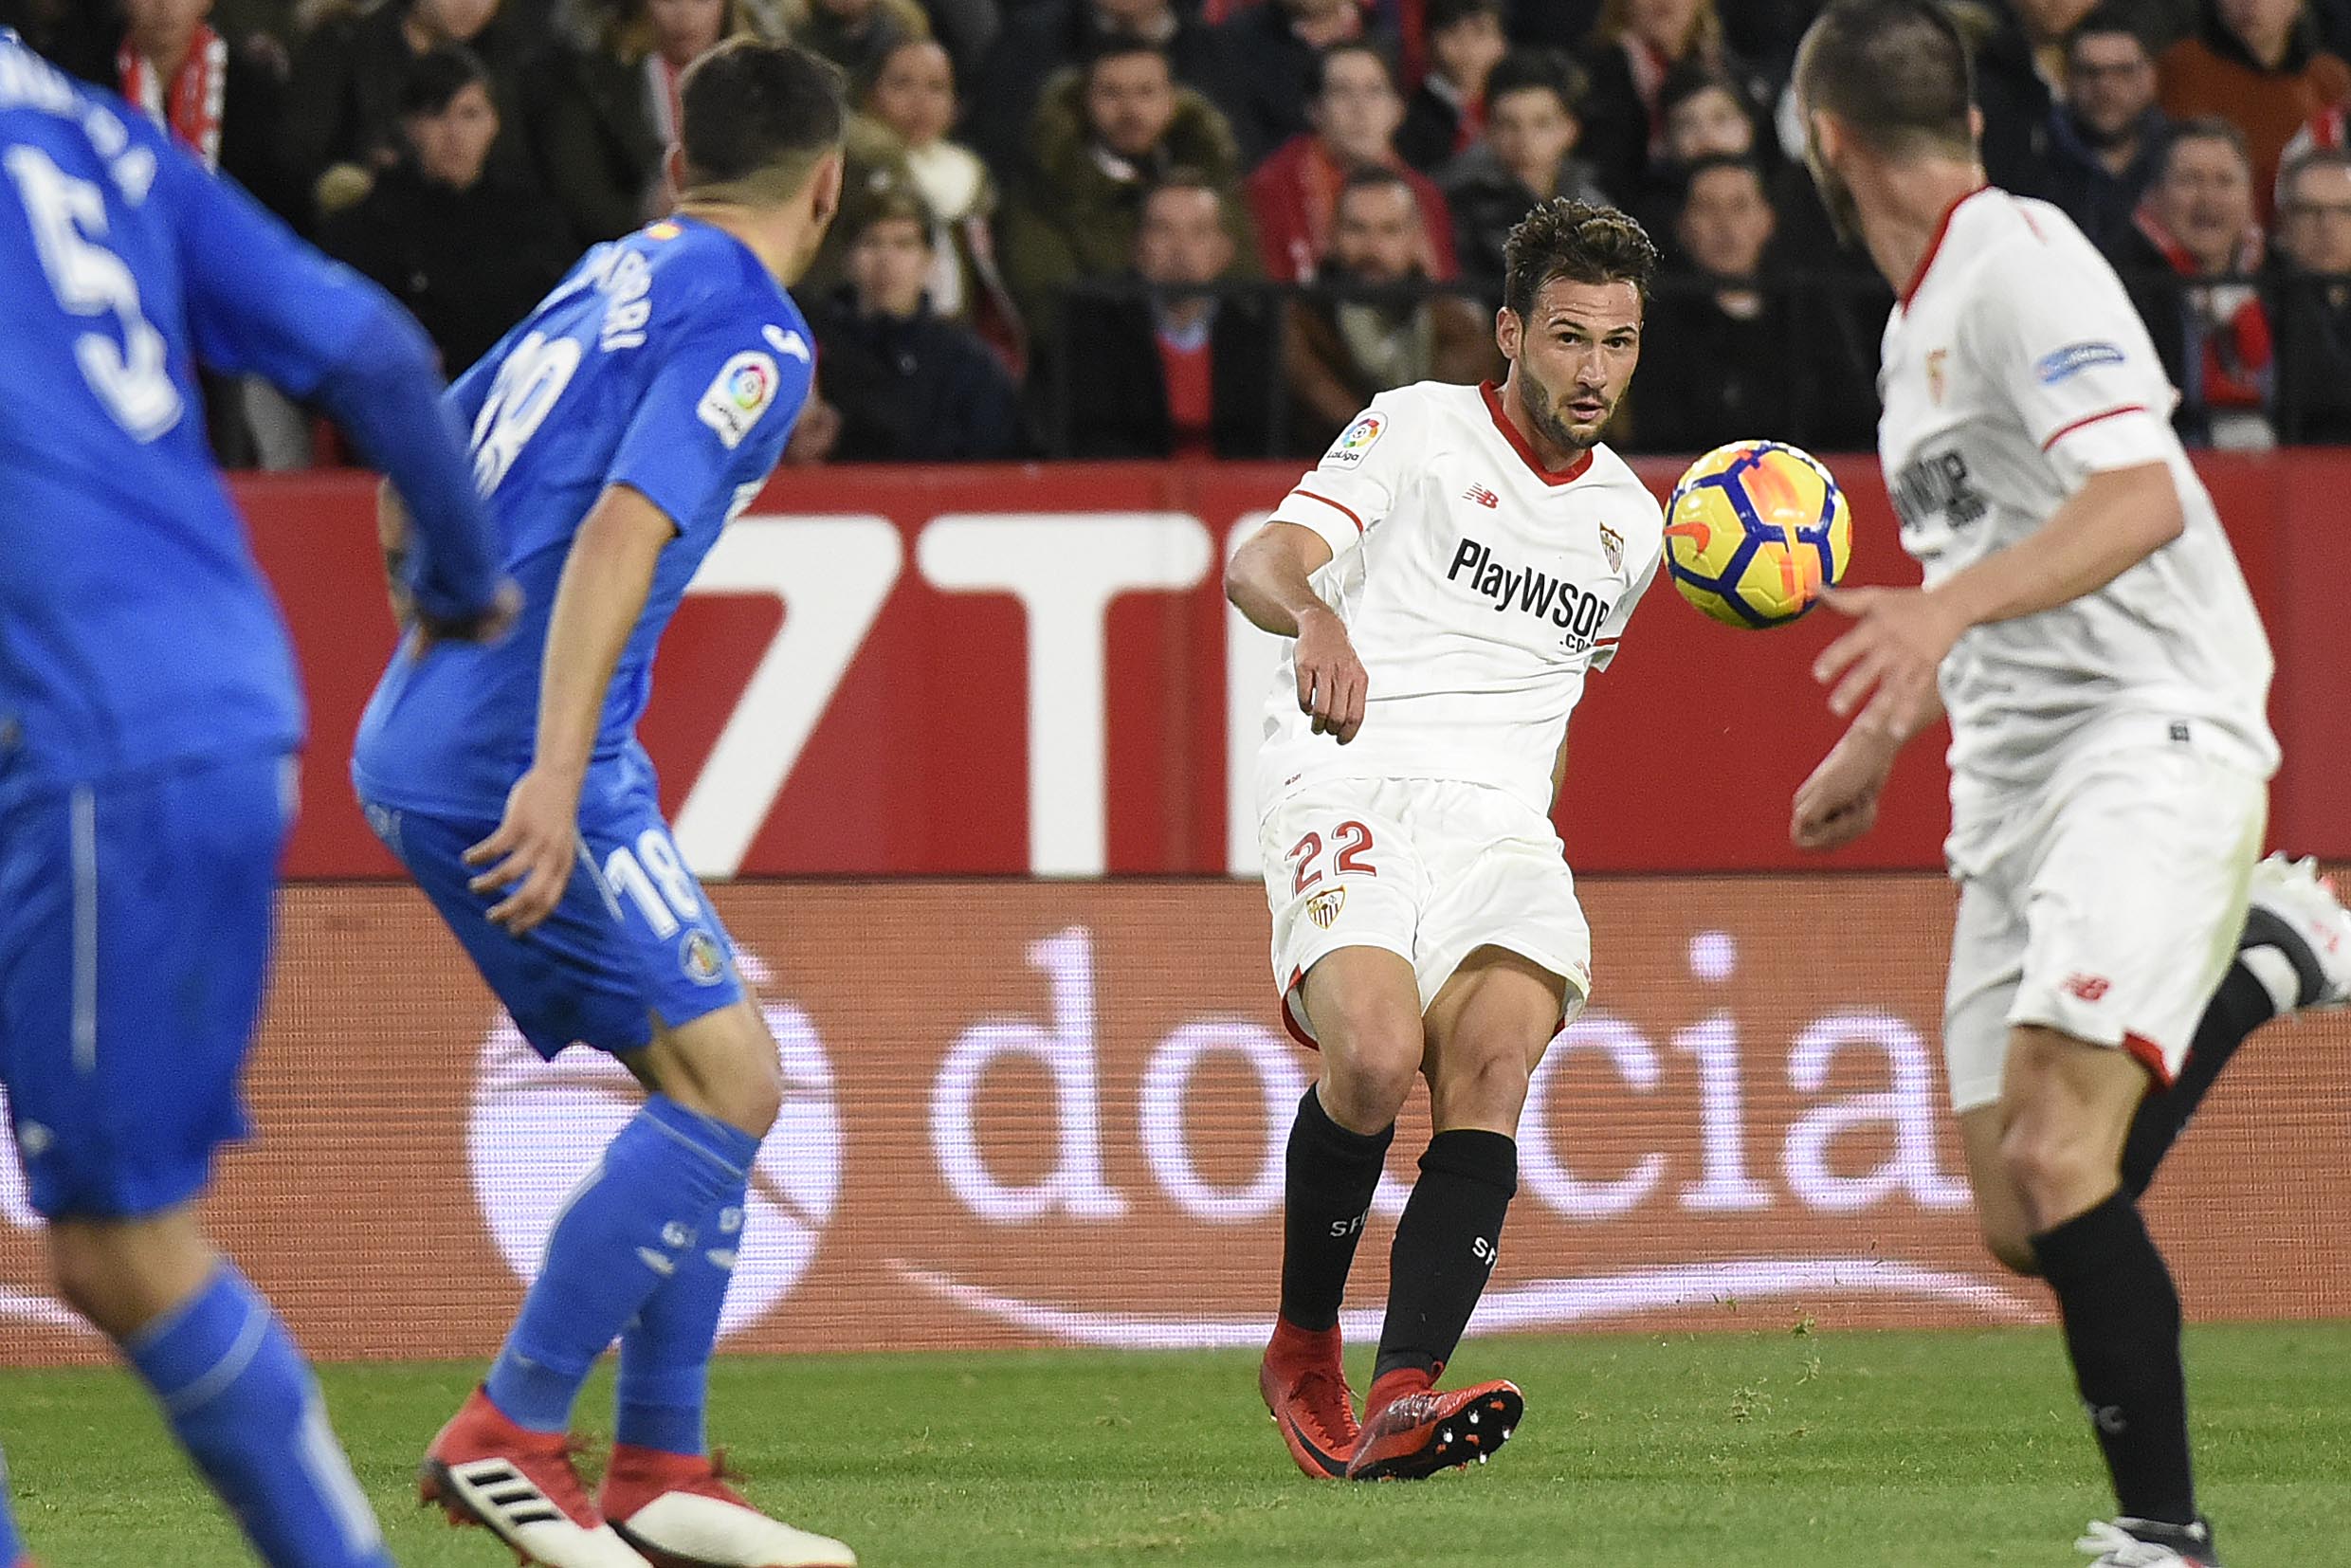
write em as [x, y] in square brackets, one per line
[1332, 1175]
[1445, 1245]
[2242, 1004]
[2121, 1317]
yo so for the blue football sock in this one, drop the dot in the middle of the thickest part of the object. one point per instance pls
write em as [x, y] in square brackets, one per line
[12, 1544]
[665, 1354]
[244, 1406]
[626, 1231]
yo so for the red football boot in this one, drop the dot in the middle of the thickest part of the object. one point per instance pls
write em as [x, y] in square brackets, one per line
[1305, 1389]
[520, 1487]
[678, 1512]
[1410, 1430]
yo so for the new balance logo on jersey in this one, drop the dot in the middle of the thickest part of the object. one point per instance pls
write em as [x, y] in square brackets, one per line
[1483, 496]
[2090, 988]
[1577, 614]
[1936, 484]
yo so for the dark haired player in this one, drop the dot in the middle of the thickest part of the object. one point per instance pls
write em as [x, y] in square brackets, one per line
[615, 433]
[2106, 674]
[1460, 560]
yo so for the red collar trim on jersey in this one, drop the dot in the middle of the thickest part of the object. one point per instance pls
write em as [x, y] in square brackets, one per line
[1934, 245]
[1567, 475]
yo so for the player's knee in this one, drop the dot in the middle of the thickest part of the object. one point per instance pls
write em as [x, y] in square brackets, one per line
[1369, 1062]
[1481, 1081]
[2056, 1169]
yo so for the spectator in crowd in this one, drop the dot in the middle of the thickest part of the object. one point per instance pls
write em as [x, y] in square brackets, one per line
[1146, 373]
[1636, 47]
[2259, 64]
[1526, 157]
[1294, 195]
[1375, 325]
[2195, 228]
[2106, 134]
[1043, 38]
[1270, 67]
[221, 102]
[1704, 118]
[602, 115]
[2314, 298]
[1446, 111]
[1104, 134]
[911, 386]
[914, 97]
[1731, 358]
[854, 34]
[342, 111]
[468, 252]
[2019, 51]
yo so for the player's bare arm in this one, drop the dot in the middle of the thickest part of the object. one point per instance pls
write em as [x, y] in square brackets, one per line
[1884, 669]
[1268, 582]
[601, 597]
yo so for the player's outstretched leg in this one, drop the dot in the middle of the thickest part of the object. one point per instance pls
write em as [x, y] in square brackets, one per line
[2068, 1104]
[664, 1492]
[1364, 1006]
[1487, 1030]
[236, 1393]
[504, 1462]
[2294, 956]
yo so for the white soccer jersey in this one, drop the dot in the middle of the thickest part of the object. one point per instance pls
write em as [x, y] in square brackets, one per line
[1477, 588]
[2014, 368]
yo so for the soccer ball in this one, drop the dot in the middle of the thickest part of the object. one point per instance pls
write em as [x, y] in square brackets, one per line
[1755, 531]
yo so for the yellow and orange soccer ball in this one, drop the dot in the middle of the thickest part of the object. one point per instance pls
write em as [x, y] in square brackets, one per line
[1755, 531]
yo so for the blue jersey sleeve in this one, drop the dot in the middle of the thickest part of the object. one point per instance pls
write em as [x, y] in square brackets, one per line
[260, 302]
[715, 419]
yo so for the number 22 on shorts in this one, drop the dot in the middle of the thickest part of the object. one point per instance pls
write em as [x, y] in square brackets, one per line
[1350, 843]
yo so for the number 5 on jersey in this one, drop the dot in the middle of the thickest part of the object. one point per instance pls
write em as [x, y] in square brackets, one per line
[1351, 842]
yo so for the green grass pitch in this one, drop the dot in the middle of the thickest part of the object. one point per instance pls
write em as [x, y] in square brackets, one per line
[1757, 1448]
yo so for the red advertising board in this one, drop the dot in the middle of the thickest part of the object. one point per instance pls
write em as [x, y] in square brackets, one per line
[1029, 1112]
[1031, 670]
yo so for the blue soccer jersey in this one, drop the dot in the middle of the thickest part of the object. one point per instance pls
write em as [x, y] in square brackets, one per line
[670, 361]
[147, 687]
[135, 630]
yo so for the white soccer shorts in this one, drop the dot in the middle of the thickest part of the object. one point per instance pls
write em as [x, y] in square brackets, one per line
[2107, 906]
[1428, 869]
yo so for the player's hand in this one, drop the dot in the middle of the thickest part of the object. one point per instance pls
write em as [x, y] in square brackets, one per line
[1839, 802]
[1331, 683]
[532, 847]
[488, 626]
[1884, 669]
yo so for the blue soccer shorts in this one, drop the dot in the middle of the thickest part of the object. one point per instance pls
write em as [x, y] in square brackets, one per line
[134, 928]
[634, 940]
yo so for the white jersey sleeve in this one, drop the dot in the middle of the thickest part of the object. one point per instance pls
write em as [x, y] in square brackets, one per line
[1359, 481]
[2069, 347]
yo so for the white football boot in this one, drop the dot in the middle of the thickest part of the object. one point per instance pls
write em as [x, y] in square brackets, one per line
[2143, 1543]
[2295, 914]
[678, 1512]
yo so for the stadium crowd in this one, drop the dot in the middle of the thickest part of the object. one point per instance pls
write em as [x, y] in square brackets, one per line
[1155, 228]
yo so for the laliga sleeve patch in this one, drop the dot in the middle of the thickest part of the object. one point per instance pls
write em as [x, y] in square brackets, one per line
[2074, 358]
[1355, 441]
[745, 386]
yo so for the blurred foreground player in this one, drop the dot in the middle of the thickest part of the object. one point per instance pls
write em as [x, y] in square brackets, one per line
[148, 720]
[1460, 560]
[2106, 675]
[616, 431]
